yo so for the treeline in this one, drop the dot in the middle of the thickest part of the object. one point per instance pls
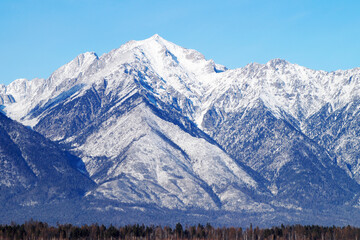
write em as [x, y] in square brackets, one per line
[39, 230]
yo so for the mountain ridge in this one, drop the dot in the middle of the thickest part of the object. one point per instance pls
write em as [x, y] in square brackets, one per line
[159, 124]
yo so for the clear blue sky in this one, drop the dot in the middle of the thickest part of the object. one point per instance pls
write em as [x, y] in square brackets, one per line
[38, 36]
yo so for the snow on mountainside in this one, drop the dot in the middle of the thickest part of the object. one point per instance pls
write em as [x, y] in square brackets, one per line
[113, 112]
[159, 124]
[339, 132]
[283, 86]
[186, 71]
[166, 164]
[34, 170]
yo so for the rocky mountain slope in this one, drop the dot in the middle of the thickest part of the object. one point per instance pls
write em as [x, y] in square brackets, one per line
[158, 124]
[35, 171]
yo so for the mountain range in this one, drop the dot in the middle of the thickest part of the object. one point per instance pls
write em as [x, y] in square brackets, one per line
[155, 132]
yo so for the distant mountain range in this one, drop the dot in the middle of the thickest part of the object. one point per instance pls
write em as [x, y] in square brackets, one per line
[153, 132]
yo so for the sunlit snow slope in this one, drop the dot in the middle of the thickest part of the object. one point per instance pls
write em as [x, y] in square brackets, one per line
[159, 124]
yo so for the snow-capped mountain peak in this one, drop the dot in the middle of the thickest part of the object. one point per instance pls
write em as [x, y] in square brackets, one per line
[276, 62]
[159, 124]
[284, 86]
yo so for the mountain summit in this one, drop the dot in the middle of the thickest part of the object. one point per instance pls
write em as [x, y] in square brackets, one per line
[161, 127]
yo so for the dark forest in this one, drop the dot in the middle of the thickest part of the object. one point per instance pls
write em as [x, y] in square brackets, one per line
[40, 230]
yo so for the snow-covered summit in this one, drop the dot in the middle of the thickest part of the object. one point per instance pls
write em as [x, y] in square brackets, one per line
[277, 62]
[178, 70]
[156, 123]
[283, 86]
[169, 71]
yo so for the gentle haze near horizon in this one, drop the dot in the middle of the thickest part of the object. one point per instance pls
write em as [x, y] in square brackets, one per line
[39, 36]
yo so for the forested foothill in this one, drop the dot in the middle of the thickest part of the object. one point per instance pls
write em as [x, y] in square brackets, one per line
[40, 230]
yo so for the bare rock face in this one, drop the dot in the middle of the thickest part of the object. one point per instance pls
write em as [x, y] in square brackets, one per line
[338, 131]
